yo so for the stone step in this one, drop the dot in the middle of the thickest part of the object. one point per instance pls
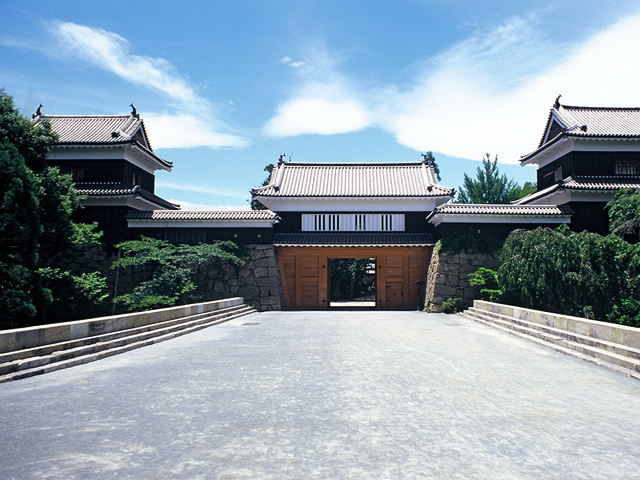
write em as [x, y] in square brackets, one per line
[80, 355]
[565, 340]
[596, 356]
[71, 344]
[612, 347]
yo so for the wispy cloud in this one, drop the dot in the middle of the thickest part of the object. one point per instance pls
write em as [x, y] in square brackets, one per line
[111, 52]
[201, 189]
[491, 92]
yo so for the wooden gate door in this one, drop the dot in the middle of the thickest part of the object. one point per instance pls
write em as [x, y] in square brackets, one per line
[398, 269]
[394, 283]
[305, 274]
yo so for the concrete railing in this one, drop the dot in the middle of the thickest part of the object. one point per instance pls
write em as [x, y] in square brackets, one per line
[32, 337]
[610, 332]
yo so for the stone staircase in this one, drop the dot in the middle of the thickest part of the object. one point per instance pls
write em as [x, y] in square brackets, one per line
[36, 360]
[612, 346]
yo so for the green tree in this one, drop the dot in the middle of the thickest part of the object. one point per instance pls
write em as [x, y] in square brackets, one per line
[526, 189]
[624, 214]
[19, 232]
[36, 204]
[347, 275]
[170, 270]
[489, 186]
[430, 160]
[255, 204]
[581, 274]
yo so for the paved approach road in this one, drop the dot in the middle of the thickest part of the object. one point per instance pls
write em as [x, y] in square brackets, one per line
[312, 395]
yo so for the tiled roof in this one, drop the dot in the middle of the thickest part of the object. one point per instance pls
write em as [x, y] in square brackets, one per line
[510, 209]
[588, 122]
[578, 182]
[369, 239]
[352, 180]
[106, 188]
[599, 122]
[600, 183]
[117, 189]
[95, 130]
[186, 215]
[88, 129]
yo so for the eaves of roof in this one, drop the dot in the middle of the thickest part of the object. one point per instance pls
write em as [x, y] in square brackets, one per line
[190, 216]
[119, 189]
[353, 239]
[583, 183]
[511, 210]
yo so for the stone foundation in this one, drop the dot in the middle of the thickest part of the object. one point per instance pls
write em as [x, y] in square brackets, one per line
[447, 276]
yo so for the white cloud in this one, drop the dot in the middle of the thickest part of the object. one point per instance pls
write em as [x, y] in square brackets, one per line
[489, 93]
[183, 130]
[318, 115]
[201, 189]
[323, 104]
[111, 52]
[464, 108]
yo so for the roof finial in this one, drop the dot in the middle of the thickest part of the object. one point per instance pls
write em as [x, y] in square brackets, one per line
[134, 112]
[38, 112]
[280, 160]
[556, 104]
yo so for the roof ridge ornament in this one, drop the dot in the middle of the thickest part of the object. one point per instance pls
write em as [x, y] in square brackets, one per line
[38, 112]
[556, 104]
[134, 112]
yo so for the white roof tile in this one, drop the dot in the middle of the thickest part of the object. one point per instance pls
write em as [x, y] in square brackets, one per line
[500, 209]
[352, 180]
[94, 130]
[197, 215]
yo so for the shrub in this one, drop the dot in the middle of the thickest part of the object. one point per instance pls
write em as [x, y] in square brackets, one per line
[453, 305]
[171, 270]
[486, 284]
[626, 313]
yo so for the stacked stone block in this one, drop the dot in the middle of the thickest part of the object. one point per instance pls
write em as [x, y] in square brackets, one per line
[257, 279]
[448, 273]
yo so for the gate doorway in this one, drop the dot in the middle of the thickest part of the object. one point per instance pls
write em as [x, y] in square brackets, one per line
[305, 273]
[352, 283]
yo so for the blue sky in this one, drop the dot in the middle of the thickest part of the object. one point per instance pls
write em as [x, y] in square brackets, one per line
[226, 87]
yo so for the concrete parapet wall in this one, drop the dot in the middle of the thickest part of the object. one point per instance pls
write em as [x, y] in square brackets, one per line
[610, 332]
[32, 337]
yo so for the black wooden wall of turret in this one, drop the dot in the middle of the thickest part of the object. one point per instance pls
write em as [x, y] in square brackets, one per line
[584, 163]
[106, 171]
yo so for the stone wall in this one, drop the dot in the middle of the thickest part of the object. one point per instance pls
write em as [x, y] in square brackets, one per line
[257, 279]
[447, 276]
